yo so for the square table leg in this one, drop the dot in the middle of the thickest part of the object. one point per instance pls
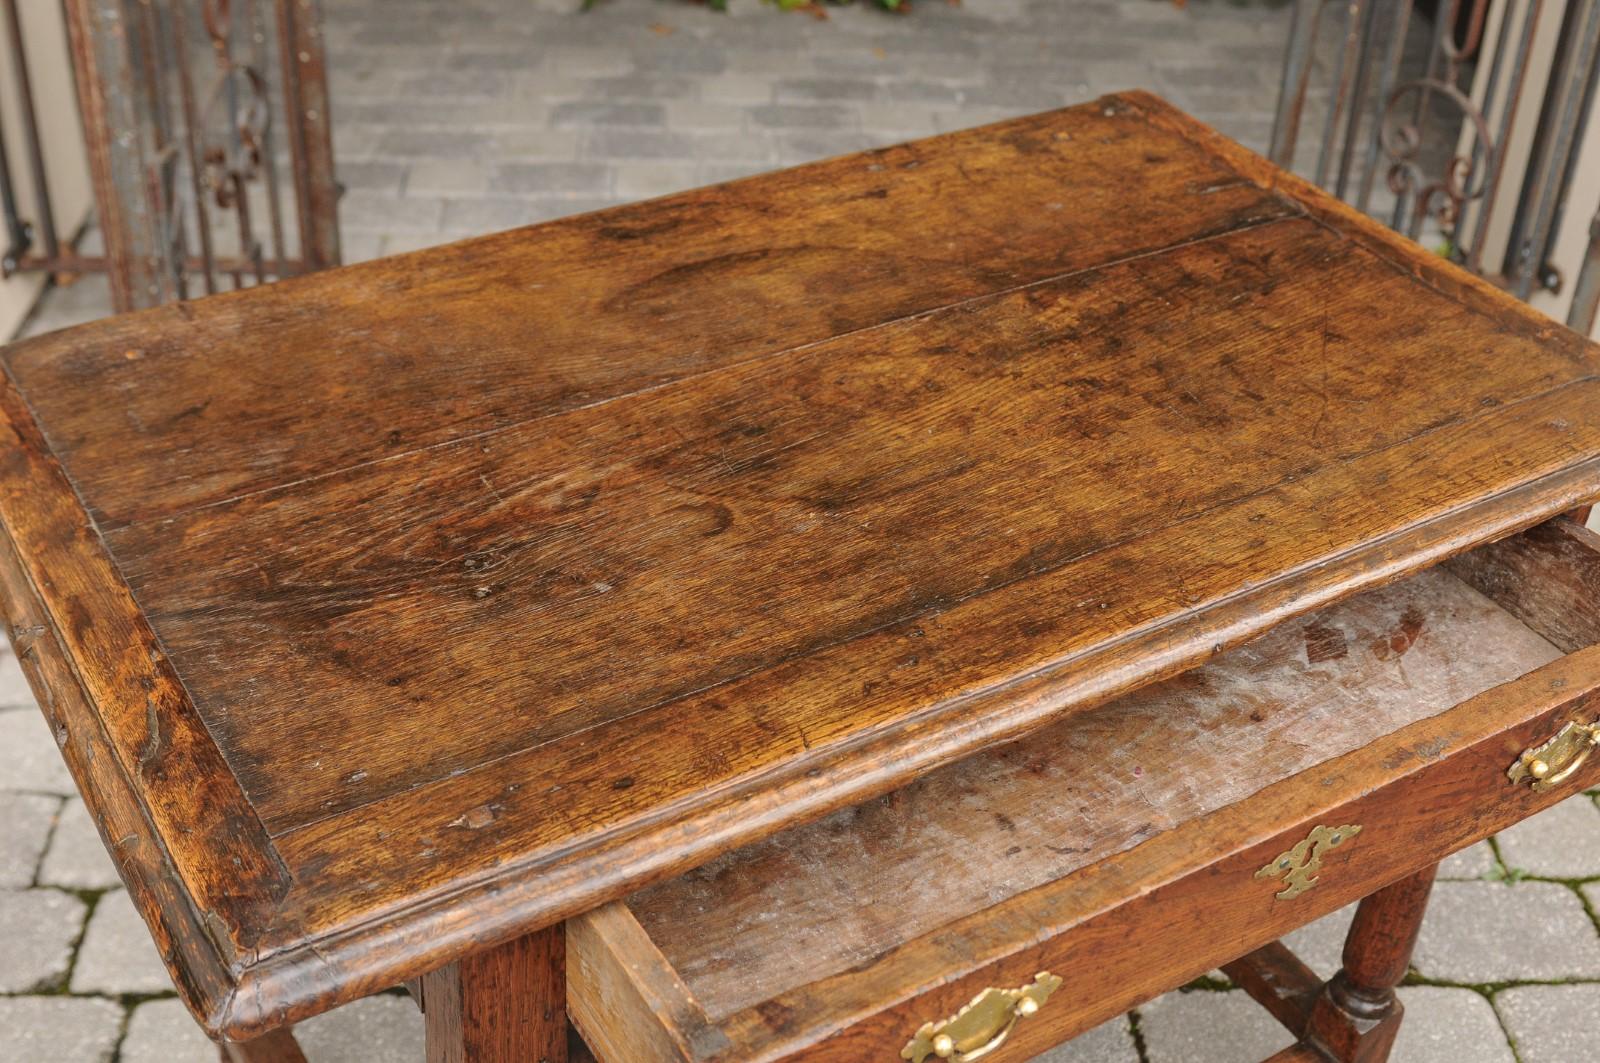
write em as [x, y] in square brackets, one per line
[507, 1004]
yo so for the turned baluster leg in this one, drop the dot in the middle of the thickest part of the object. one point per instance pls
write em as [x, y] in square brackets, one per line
[1357, 1015]
[507, 1004]
[279, 1046]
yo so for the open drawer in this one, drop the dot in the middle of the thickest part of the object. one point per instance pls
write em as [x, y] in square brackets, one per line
[1131, 847]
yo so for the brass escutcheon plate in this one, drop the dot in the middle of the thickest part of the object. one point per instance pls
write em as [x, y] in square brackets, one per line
[1299, 866]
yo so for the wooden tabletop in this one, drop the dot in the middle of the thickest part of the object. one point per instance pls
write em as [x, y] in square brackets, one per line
[398, 610]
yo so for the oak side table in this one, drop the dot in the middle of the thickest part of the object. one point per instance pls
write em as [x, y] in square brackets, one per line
[910, 607]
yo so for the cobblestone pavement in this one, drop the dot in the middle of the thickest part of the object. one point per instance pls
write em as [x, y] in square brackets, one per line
[478, 115]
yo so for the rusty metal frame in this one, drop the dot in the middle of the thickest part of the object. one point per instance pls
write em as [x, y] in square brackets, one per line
[1378, 130]
[174, 163]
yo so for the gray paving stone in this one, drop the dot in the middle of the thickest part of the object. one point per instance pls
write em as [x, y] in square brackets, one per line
[804, 116]
[163, 1031]
[372, 175]
[25, 822]
[644, 180]
[1449, 1026]
[566, 206]
[359, 247]
[1321, 944]
[601, 112]
[374, 212]
[587, 60]
[381, 1029]
[456, 84]
[1563, 841]
[29, 759]
[77, 858]
[58, 1030]
[405, 243]
[737, 88]
[14, 689]
[804, 146]
[475, 216]
[453, 178]
[520, 145]
[673, 55]
[825, 90]
[1248, 78]
[1224, 1027]
[1473, 862]
[638, 144]
[38, 928]
[1477, 932]
[1552, 1023]
[543, 178]
[1591, 893]
[1110, 1042]
[118, 955]
[428, 143]
[747, 146]
[643, 87]
[712, 173]
[704, 114]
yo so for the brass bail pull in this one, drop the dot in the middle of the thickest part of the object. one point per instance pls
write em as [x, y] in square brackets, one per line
[983, 1025]
[1551, 763]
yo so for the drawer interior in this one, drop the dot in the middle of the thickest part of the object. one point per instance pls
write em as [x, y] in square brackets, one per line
[827, 898]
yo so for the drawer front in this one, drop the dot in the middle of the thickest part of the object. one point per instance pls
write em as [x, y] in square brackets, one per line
[1189, 898]
[1444, 786]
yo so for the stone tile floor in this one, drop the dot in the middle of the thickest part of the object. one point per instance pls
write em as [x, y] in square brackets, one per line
[462, 118]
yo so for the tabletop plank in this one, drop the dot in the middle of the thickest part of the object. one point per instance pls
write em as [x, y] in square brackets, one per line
[582, 568]
[404, 609]
[219, 397]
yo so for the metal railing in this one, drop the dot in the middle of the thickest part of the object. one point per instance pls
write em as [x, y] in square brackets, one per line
[1470, 124]
[209, 147]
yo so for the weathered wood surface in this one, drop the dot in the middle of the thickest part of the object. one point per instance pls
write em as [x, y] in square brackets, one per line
[506, 1004]
[1358, 1014]
[1545, 577]
[420, 604]
[1279, 981]
[1185, 900]
[624, 996]
[279, 1046]
[810, 903]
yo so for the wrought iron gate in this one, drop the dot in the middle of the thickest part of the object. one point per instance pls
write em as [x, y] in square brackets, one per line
[1437, 111]
[209, 146]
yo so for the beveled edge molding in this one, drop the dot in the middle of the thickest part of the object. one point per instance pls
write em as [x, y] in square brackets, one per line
[143, 759]
[519, 898]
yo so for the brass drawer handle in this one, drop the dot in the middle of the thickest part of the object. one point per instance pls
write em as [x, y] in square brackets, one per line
[983, 1025]
[1549, 764]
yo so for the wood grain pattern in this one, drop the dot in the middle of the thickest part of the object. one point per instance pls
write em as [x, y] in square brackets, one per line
[745, 912]
[279, 1046]
[506, 1004]
[625, 997]
[781, 508]
[1279, 981]
[769, 917]
[425, 603]
[390, 356]
[1545, 577]
[1299, 1054]
[1357, 1016]
[1420, 791]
